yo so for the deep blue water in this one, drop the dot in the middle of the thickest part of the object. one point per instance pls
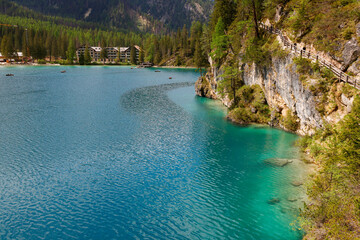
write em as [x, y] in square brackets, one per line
[120, 153]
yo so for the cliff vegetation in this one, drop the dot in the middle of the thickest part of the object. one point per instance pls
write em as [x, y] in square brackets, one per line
[262, 80]
[334, 212]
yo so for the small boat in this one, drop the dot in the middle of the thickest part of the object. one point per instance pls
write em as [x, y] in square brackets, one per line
[132, 68]
[157, 71]
[63, 71]
[170, 77]
[9, 75]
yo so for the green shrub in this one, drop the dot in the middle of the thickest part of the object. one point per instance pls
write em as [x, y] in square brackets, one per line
[304, 142]
[316, 67]
[276, 49]
[245, 94]
[303, 78]
[241, 115]
[290, 121]
[256, 53]
[349, 91]
[303, 66]
[334, 188]
[41, 61]
[347, 33]
[327, 74]
[251, 106]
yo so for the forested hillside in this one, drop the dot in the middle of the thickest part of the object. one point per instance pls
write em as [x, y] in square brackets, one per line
[127, 14]
[41, 36]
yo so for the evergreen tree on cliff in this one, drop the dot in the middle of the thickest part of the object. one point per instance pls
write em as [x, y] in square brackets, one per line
[219, 42]
[226, 9]
[199, 57]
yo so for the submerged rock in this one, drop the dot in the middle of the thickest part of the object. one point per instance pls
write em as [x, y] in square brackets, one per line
[278, 162]
[292, 199]
[273, 201]
[296, 183]
[290, 210]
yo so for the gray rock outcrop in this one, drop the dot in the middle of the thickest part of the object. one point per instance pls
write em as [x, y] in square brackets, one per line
[283, 89]
[350, 53]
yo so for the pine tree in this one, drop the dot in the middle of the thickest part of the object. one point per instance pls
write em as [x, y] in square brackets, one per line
[157, 58]
[199, 58]
[226, 9]
[87, 57]
[219, 42]
[9, 50]
[3, 45]
[17, 39]
[54, 48]
[118, 56]
[81, 59]
[103, 54]
[48, 45]
[255, 10]
[133, 59]
[71, 52]
[177, 61]
[141, 55]
[25, 46]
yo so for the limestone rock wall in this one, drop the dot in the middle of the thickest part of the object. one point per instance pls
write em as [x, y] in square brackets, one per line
[283, 90]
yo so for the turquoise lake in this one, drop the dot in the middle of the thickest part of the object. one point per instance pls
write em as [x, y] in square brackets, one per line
[121, 153]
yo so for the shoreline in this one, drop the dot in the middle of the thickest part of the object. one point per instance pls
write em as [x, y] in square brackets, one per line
[183, 67]
[91, 65]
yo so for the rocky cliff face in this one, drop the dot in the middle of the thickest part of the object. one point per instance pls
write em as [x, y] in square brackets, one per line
[283, 91]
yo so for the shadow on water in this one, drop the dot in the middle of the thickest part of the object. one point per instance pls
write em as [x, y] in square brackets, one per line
[151, 100]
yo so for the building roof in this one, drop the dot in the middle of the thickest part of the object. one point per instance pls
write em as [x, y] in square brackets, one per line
[123, 49]
[19, 54]
[97, 49]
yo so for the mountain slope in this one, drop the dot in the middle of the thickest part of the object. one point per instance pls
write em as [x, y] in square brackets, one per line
[126, 14]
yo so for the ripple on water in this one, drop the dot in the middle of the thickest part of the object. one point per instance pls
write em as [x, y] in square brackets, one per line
[107, 155]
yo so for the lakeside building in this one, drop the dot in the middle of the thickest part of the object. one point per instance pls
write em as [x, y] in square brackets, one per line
[112, 53]
[17, 56]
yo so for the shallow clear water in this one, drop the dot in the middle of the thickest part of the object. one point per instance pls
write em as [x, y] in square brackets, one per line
[120, 153]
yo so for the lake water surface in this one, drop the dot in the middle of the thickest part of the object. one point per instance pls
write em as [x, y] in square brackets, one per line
[121, 153]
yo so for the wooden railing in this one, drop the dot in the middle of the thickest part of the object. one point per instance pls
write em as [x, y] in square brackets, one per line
[313, 57]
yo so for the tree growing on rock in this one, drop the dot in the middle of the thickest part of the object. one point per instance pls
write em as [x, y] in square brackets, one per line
[219, 42]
